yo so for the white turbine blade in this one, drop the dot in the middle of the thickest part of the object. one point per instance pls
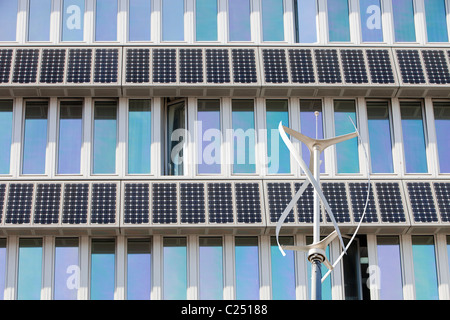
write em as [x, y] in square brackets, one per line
[297, 248]
[309, 142]
[329, 142]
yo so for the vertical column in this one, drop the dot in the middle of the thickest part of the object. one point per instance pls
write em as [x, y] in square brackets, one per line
[265, 270]
[419, 21]
[442, 266]
[294, 121]
[229, 281]
[86, 149]
[156, 293]
[12, 267]
[328, 127]
[301, 290]
[21, 33]
[387, 21]
[190, 145]
[89, 22]
[397, 152]
[227, 144]
[363, 140]
[373, 263]
[408, 268]
[355, 30]
[432, 151]
[323, 22]
[222, 23]
[119, 293]
[122, 25]
[289, 35]
[189, 21]
[121, 151]
[337, 280]
[47, 268]
[18, 111]
[157, 138]
[260, 137]
[255, 21]
[50, 161]
[83, 290]
[55, 20]
[193, 266]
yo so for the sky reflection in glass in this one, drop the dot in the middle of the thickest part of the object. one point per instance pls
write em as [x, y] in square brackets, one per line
[283, 270]
[306, 21]
[247, 268]
[211, 269]
[435, 15]
[239, 20]
[442, 124]
[139, 136]
[209, 137]
[73, 20]
[206, 20]
[70, 137]
[103, 269]
[390, 268]
[347, 151]
[338, 20]
[173, 20]
[308, 126]
[6, 117]
[425, 271]
[2, 267]
[277, 151]
[175, 269]
[176, 137]
[105, 137]
[35, 137]
[139, 269]
[403, 12]
[39, 20]
[139, 18]
[243, 122]
[66, 269]
[106, 20]
[8, 20]
[371, 24]
[29, 277]
[272, 20]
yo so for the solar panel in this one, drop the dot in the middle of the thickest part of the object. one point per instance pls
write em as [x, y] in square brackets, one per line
[410, 66]
[354, 66]
[436, 66]
[279, 195]
[217, 66]
[244, 65]
[20, 198]
[75, 208]
[46, 206]
[380, 66]
[52, 65]
[220, 202]
[164, 205]
[358, 196]
[442, 191]
[164, 65]
[390, 202]
[192, 202]
[191, 65]
[26, 64]
[5, 64]
[79, 66]
[301, 64]
[248, 203]
[138, 66]
[275, 67]
[106, 65]
[103, 203]
[336, 196]
[328, 69]
[137, 203]
[305, 205]
[422, 202]
[2, 199]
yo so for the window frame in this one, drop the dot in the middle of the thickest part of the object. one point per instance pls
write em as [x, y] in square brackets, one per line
[93, 30]
[84, 25]
[127, 24]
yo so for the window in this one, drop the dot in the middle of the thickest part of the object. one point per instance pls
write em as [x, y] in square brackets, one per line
[29, 277]
[35, 137]
[139, 136]
[139, 18]
[389, 271]
[371, 23]
[103, 252]
[305, 21]
[277, 151]
[105, 137]
[403, 12]
[311, 126]
[8, 20]
[326, 285]
[173, 20]
[346, 152]
[206, 20]
[211, 268]
[272, 20]
[6, 117]
[70, 137]
[106, 20]
[338, 20]
[39, 20]
[283, 270]
[243, 123]
[380, 136]
[139, 269]
[425, 271]
[67, 270]
[442, 124]
[209, 137]
[2, 267]
[239, 20]
[414, 144]
[436, 19]
[73, 20]
[176, 124]
[247, 268]
[175, 269]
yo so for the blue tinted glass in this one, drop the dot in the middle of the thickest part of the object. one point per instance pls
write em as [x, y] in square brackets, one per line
[425, 272]
[308, 108]
[370, 13]
[306, 21]
[403, 11]
[39, 20]
[239, 20]
[139, 20]
[175, 269]
[448, 250]
[2, 267]
[6, 117]
[338, 20]
[442, 124]
[209, 136]
[243, 119]
[176, 123]
[35, 138]
[73, 20]
[173, 20]
[326, 285]
[206, 20]
[8, 20]
[247, 268]
[211, 269]
[139, 269]
[413, 137]
[390, 268]
[70, 137]
[139, 136]
[29, 278]
[347, 151]
[67, 270]
[380, 137]
[272, 20]
[283, 270]
[435, 14]
[277, 151]
[102, 269]
[106, 20]
[105, 136]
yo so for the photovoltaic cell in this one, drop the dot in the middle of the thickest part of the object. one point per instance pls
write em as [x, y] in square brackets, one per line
[436, 66]
[354, 66]
[301, 64]
[5, 64]
[279, 196]
[336, 196]
[137, 203]
[244, 65]
[358, 196]
[164, 205]
[390, 202]
[410, 66]
[305, 205]
[191, 66]
[380, 66]
[106, 65]
[79, 66]
[2, 199]
[192, 202]
[217, 66]
[75, 207]
[248, 203]
[328, 69]
[47, 203]
[103, 203]
[164, 65]
[442, 191]
[220, 202]
[52, 65]
[138, 66]
[20, 197]
[26, 64]
[422, 202]
[275, 67]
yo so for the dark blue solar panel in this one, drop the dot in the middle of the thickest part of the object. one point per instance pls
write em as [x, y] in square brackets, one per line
[46, 207]
[138, 66]
[75, 208]
[358, 196]
[390, 202]
[410, 66]
[79, 66]
[20, 198]
[192, 202]
[5, 64]
[217, 66]
[26, 66]
[244, 66]
[106, 65]
[248, 202]
[164, 65]
[275, 66]
[103, 203]
[354, 66]
[191, 65]
[220, 202]
[380, 66]
[137, 203]
[305, 205]
[327, 62]
[436, 66]
[164, 203]
[279, 195]
[422, 202]
[52, 65]
[442, 191]
[336, 196]
[301, 64]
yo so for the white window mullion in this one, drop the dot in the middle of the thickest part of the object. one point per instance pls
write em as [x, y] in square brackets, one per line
[419, 21]
[387, 19]
[89, 23]
[16, 143]
[119, 292]
[408, 268]
[374, 275]
[12, 265]
[22, 21]
[442, 266]
[397, 152]
[222, 30]
[288, 20]
[256, 21]
[52, 150]
[265, 292]
[157, 267]
[87, 136]
[47, 267]
[301, 269]
[121, 150]
[84, 255]
[227, 136]
[189, 21]
[193, 267]
[363, 130]
[431, 142]
[229, 274]
[354, 21]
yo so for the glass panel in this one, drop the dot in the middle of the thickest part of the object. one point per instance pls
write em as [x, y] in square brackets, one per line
[347, 151]
[73, 20]
[39, 20]
[6, 117]
[105, 136]
[2, 267]
[209, 136]
[176, 124]
[206, 20]
[173, 20]
[326, 285]
[442, 124]
[70, 137]
[243, 122]
[371, 24]
[247, 268]
[306, 21]
[380, 136]
[175, 269]
[338, 20]
[272, 20]
[239, 20]
[103, 254]
[404, 29]
[352, 272]
[413, 137]
[283, 270]
[211, 269]
[139, 20]
[435, 14]
[389, 271]
[425, 272]
[29, 278]
[139, 136]
[309, 125]
[106, 20]
[35, 137]
[67, 270]
[448, 250]
[139, 260]
[8, 20]
[277, 151]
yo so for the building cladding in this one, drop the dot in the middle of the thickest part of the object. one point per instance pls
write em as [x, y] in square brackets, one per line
[141, 157]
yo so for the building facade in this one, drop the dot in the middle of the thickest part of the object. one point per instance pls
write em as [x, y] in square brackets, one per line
[141, 157]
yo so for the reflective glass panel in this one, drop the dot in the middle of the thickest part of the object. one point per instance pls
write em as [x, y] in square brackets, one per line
[247, 268]
[404, 30]
[442, 124]
[139, 14]
[277, 151]
[283, 270]
[139, 136]
[435, 14]
[211, 269]
[347, 151]
[326, 285]
[425, 271]
[389, 273]
[39, 20]
[371, 24]
[306, 21]
[2, 267]
[176, 135]
[351, 263]
[103, 258]
[139, 260]
[311, 126]
[173, 20]
[239, 20]
[67, 270]
[175, 269]
[6, 117]
[29, 277]
[338, 20]
[106, 20]
[414, 144]
[448, 250]
[243, 122]
[8, 20]
[209, 136]
[206, 20]
[272, 20]
[105, 137]
[380, 136]
[73, 20]
[70, 137]
[35, 137]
